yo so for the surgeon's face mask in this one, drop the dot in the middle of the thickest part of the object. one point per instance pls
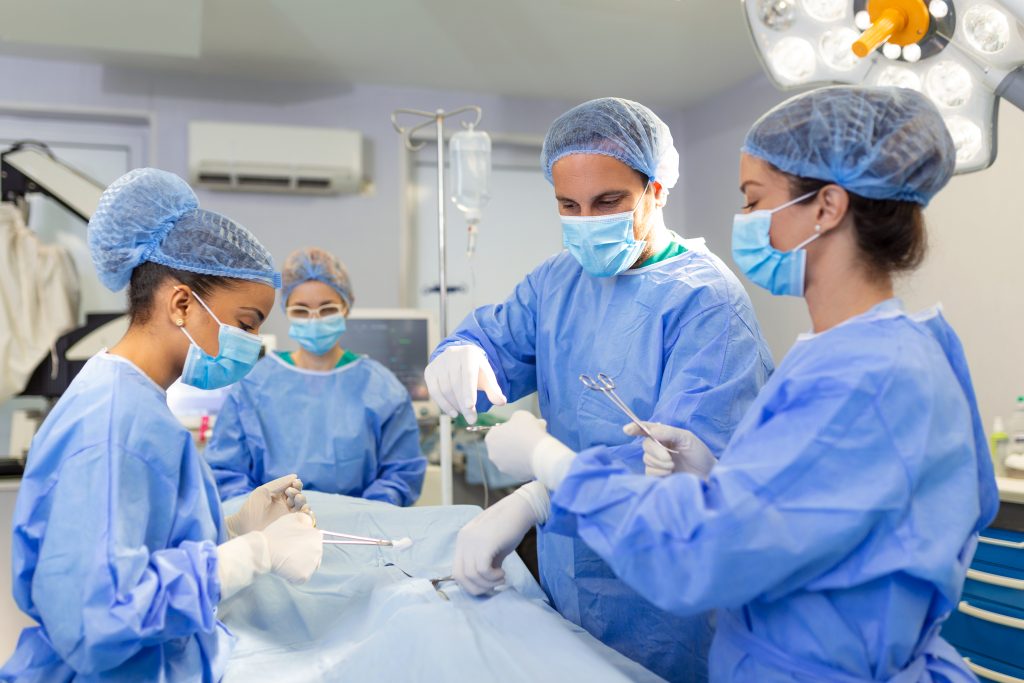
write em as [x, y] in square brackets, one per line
[318, 335]
[781, 273]
[604, 245]
[238, 353]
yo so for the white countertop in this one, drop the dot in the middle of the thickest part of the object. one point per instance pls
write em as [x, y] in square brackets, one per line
[1011, 490]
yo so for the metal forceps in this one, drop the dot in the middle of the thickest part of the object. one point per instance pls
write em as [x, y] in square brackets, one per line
[331, 538]
[606, 385]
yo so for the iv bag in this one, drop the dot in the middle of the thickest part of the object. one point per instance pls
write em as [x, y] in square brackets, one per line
[470, 158]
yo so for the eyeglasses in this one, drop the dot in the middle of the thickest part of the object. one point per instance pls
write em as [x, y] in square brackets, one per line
[303, 313]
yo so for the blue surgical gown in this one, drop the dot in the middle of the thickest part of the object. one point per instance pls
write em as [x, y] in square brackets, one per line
[350, 430]
[837, 527]
[115, 540]
[681, 341]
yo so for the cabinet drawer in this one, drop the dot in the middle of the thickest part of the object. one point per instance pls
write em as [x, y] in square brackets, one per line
[998, 585]
[983, 628]
[988, 669]
[1001, 547]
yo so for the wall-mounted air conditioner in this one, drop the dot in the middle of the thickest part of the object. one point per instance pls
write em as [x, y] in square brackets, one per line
[291, 159]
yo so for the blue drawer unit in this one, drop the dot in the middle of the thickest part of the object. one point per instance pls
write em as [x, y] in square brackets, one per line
[987, 627]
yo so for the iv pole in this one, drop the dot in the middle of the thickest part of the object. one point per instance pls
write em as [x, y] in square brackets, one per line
[437, 118]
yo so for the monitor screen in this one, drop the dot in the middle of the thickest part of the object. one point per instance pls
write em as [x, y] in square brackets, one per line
[400, 345]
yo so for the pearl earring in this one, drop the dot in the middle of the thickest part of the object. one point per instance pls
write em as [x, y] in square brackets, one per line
[180, 322]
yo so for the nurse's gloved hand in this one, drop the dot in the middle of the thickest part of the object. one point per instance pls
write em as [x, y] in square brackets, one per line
[266, 504]
[689, 454]
[290, 547]
[522, 448]
[484, 543]
[296, 547]
[454, 377]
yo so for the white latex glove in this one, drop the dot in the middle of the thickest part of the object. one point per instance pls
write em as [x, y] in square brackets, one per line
[523, 448]
[484, 543]
[290, 547]
[454, 377]
[690, 454]
[296, 547]
[266, 504]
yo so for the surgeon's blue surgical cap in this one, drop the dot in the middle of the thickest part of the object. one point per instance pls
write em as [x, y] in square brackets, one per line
[152, 215]
[879, 143]
[316, 264]
[625, 130]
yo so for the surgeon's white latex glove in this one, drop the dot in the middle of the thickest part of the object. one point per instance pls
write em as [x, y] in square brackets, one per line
[290, 547]
[267, 503]
[484, 543]
[454, 377]
[690, 454]
[523, 448]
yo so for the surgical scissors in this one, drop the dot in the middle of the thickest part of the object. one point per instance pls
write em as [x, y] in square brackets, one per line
[606, 385]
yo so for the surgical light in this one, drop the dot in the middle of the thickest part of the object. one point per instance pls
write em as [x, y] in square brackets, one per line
[949, 84]
[899, 77]
[963, 54]
[835, 48]
[826, 10]
[777, 15]
[967, 137]
[938, 9]
[793, 59]
[987, 29]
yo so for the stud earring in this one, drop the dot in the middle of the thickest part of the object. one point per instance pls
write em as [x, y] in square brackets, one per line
[179, 322]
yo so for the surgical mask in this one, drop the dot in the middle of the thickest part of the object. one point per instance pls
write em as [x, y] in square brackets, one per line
[781, 273]
[237, 355]
[603, 245]
[318, 335]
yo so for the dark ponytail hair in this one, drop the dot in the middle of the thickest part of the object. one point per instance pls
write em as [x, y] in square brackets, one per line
[890, 234]
[149, 277]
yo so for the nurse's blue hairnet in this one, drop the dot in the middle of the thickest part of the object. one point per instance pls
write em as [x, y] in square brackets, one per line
[316, 264]
[622, 129]
[879, 143]
[152, 215]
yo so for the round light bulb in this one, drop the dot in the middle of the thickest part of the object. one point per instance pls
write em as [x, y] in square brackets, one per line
[912, 53]
[836, 47]
[892, 51]
[862, 20]
[966, 136]
[939, 9]
[826, 10]
[949, 84]
[778, 15]
[899, 77]
[793, 59]
[987, 29]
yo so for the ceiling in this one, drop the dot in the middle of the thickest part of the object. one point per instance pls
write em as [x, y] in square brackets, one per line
[668, 52]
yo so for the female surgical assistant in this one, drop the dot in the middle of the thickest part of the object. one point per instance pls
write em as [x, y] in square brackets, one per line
[343, 422]
[834, 533]
[121, 552]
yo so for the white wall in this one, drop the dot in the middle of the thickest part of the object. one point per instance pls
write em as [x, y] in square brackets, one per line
[362, 230]
[976, 241]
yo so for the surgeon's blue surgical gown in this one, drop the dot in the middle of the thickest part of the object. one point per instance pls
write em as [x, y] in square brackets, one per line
[350, 430]
[837, 527]
[115, 540]
[681, 341]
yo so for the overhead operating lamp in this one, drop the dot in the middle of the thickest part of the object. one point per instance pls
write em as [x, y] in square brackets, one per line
[963, 54]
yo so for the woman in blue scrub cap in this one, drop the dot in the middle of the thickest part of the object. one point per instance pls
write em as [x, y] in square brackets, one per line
[342, 421]
[121, 552]
[834, 532]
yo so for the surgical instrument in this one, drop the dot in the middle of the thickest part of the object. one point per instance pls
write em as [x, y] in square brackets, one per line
[606, 385]
[332, 538]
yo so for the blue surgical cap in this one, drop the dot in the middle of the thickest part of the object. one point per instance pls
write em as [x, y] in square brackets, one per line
[152, 215]
[879, 143]
[316, 264]
[618, 128]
